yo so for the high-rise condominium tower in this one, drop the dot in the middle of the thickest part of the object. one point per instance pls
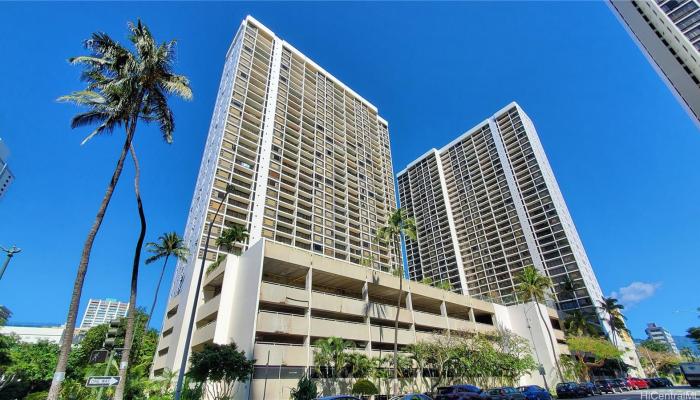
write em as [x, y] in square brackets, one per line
[102, 311]
[6, 176]
[308, 158]
[487, 205]
[668, 33]
[661, 335]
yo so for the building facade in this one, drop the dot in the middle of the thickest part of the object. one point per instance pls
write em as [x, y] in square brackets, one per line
[308, 158]
[34, 334]
[6, 176]
[668, 33]
[102, 311]
[487, 205]
[661, 335]
[310, 165]
[276, 300]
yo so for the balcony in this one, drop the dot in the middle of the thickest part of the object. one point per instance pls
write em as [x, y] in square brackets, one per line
[280, 354]
[283, 294]
[204, 334]
[273, 322]
[428, 319]
[337, 303]
[322, 327]
[208, 308]
[386, 335]
[385, 311]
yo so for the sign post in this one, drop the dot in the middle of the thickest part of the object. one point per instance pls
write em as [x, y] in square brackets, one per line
[102, 381]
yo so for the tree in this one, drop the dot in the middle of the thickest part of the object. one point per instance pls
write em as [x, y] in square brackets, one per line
[597, 348]
[305, 390]
[358, 364]
[330, 357]
[612, 312]
[694, 334]
[579, 324]
[122, 88]
[533, 286]
[659, 361]
[398, 226]
[364, 387]
[226, 241]
[169, 244]
[218, 367]
[653, 345]
[32, 363]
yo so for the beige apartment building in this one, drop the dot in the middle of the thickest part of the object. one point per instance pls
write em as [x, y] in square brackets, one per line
[276, 300]
[311, 166]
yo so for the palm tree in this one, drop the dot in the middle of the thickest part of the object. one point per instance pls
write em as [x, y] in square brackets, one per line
[533, 286]
[612, 314]
[398, 226]
[226, 241]
[169, 244]
[123, 87]
[579, 324]
[330, 353]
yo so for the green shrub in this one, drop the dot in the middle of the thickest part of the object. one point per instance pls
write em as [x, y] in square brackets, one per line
[305, 390]
[37, 395]
[364, 387]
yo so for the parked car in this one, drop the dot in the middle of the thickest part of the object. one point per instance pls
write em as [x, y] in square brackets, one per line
[664, 382]
[459, 392]
[607, 386]
[637, 383]
[691, 372]
[570, 390]
[503, 393]
[534, 392]
[412, 396]
[590, 388]
[652, 382]
[622, 384]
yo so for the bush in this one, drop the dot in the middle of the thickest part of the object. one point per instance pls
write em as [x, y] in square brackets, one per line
[305, 390]
[364, 387]
[37, 396]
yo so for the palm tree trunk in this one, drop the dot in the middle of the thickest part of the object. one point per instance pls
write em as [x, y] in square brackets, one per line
[396, 323]
[131, 318]
[551, 341]
[67, 337]
[155, 296]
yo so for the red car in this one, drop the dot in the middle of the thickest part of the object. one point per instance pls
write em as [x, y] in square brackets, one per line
[637, 383]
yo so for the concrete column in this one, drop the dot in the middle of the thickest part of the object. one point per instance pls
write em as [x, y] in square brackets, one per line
[307, 340]
[365, 299]
[443, 311]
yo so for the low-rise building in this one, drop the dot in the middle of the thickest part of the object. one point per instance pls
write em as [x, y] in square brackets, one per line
[34, 334]
[275, 301]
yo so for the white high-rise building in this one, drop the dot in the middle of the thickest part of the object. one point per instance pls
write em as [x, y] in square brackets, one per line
[310, 164]
[102, 311]
[668, 33]
[661, 335]
[6, 176]
[486, 205]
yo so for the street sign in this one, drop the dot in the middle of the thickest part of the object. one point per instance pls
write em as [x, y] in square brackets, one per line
[98, 356]
[102, 381]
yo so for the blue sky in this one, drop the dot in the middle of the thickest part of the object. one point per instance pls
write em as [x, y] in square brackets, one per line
[624, 152]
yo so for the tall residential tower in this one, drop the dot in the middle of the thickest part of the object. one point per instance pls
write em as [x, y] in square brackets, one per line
[6, 176]
[102, 311]
[309, 159]
[668, 33]
[310, 163]
[487, 205]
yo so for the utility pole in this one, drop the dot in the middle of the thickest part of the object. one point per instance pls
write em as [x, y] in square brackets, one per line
[10, 253]
[183, 363]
